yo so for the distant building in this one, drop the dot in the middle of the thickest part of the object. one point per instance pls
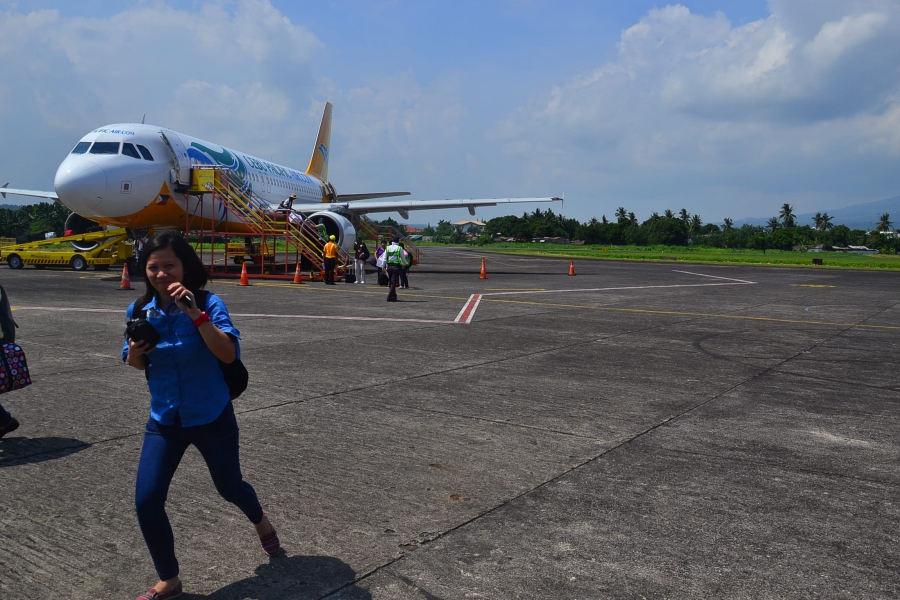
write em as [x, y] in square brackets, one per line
[470, 226]
[550, 240]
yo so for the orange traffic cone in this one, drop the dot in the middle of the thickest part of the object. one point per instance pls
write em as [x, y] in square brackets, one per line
[483, 271]
[298, 277]
[571, 267]
[245, 278]
[126, 282]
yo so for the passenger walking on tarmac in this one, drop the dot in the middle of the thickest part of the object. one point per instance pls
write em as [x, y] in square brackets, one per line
[323, 233]
[404, 281]
[330, 252]
[379, 259]
[361, 255]
[8, 423]
[395, 262]
[190, 402]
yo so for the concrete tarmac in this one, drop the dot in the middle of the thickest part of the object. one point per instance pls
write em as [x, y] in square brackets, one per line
[635, 431]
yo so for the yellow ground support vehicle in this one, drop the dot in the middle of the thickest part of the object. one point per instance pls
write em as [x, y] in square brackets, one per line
[255, 252]
[112, 248]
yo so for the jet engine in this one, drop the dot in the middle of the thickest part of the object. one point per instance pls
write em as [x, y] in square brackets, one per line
[76, 224]
[337, 225]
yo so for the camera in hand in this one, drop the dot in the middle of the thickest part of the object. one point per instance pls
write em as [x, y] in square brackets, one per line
[140, 330]
[188, 301]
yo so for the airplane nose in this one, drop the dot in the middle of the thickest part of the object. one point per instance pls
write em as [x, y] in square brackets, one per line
[80, 183]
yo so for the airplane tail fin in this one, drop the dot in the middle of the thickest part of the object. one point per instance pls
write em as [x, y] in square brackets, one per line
[318, 164]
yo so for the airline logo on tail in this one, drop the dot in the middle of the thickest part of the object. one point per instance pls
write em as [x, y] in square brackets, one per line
[323, 150]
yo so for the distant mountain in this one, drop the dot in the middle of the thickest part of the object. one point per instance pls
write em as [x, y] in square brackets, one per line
[11, 206]
[858, 216]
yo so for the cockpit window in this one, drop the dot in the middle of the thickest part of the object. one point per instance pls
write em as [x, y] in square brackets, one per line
[145, 153]
[105, 148]
[129, 150]
[81, 147]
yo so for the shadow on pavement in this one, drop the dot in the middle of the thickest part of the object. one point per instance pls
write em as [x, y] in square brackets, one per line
[23, 451]
[293, 578]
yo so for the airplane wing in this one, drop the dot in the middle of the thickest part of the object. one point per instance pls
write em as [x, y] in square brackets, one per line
[4, 190]
[352, 197]
[404, 206]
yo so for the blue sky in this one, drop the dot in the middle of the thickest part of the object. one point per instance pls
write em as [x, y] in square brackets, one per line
[725, 108]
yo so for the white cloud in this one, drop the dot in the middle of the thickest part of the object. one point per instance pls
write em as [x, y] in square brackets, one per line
[231, 72]
[693, 105]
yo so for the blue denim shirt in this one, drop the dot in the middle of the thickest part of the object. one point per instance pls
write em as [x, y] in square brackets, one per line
[183, 374]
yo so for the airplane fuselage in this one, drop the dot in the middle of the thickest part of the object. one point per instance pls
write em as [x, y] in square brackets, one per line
[129, 175]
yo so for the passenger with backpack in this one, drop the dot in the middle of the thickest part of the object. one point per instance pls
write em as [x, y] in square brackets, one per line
[183, 339]
[8, 423]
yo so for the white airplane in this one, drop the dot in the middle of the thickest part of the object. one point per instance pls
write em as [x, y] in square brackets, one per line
[137, 176]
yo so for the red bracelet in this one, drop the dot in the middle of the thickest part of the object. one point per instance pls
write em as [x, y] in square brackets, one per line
[203, 318]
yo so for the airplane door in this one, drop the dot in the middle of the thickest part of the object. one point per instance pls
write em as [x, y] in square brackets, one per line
[182, 170]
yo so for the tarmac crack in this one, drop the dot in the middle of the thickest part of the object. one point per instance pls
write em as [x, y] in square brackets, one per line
[785, 466]
[588, 461]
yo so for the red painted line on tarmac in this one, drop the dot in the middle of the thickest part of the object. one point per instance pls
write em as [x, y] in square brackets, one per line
[468, 311]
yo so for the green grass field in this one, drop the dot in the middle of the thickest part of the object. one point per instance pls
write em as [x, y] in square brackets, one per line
[702, 255]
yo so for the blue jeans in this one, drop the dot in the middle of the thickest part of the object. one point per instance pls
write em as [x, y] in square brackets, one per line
[164, 445]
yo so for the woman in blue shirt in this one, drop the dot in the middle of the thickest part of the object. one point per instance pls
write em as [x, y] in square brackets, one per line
[189, 399]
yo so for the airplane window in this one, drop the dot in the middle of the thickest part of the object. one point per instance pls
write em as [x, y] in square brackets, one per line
[81, 147]
[145, 153]
[129, 150]
[105, 148]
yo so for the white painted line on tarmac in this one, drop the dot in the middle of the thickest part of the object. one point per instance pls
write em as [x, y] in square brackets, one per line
[254, 315]
[613, 289]
[714, 277]
[468, 310]
[335, 318]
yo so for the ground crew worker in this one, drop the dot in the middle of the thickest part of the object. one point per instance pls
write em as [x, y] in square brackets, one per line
[395, 262]
[321, 229]
[330, 252]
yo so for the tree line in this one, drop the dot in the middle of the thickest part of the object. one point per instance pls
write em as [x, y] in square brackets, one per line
[782, 232]
[669, 228]
[32, 218]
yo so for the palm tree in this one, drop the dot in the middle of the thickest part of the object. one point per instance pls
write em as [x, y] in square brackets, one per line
[826, 222]
[632, 219]
[621, 214]
[669, 214]
[884, 223]
[817, 221]
[788, 218]
[604, 220]
[654, 216]
[685, 217]
[696, 223]
[729, 224]
[773, 224]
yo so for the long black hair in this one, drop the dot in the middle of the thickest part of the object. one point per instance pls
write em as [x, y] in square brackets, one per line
[195, 274]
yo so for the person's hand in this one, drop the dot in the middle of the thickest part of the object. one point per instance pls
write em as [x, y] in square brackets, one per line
[178, 293]
[138, 349]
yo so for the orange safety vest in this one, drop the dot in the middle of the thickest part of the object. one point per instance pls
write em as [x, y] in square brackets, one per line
[331, 250]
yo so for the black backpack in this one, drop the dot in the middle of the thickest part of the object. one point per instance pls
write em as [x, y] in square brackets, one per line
[7, 323]
[235, 374]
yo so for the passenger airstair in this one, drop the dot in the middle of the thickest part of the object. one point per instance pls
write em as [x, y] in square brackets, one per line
[261, 220]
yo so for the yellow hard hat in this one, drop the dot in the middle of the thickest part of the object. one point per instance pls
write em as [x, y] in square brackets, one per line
[331, 237]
